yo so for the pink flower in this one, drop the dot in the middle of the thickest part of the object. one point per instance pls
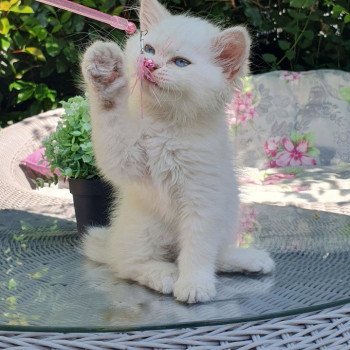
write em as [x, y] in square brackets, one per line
[241, 108]
[294, 155]
[271, 146]
[291, 76]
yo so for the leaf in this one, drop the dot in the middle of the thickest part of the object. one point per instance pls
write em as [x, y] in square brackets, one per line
[21, 9]
[5, 6]
[38, 31]
[89, 3]
[68, 172]
[37, 53]
[61, 66]
[296, 15]
[303, 44]
[76, 133]
[291, 28]
[75, 148]
[284, 45]
[26, 90]
[42, 92]
[5, 26]
[24, 95]
[52, 47]
[302, 3]
[308, 34]
[87, 126]
[65, 17]
[87, 158]
[56, 28]
[118, 10]
[347, 18]
[78, 22]
[19, 40]
[337, 10]
[290, 54]
[269, 58]
[5, 43]
[254, 15]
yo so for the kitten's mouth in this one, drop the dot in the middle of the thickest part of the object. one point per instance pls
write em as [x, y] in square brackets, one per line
[152, 81]
[145, 69]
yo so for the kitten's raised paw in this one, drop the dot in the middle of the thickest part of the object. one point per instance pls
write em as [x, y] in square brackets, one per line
[103, 66]
[194, 291]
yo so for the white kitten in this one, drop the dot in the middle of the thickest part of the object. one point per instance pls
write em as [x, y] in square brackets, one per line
[176, 223]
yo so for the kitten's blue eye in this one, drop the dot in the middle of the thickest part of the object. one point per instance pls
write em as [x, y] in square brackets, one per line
[181, 62]
[149, 49]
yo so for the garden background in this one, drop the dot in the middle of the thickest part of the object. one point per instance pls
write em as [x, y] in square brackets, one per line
[40, 45]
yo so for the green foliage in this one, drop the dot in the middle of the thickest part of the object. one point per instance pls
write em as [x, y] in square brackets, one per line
[39, 54]
[300, 34]
[69, 148]
[40, 45]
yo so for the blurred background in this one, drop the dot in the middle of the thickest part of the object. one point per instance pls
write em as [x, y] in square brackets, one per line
[40, 45]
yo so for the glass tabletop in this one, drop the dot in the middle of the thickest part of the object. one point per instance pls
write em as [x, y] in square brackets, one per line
[47, 285]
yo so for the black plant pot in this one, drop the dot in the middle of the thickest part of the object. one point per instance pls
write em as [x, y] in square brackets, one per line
[92, 202]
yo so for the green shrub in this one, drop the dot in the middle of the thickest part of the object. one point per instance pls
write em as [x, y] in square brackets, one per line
[39, 54]
[69, 148]
[300, 34]
[40, 45]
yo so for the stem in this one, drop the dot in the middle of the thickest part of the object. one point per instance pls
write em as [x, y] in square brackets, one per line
[297, 40]
[318, 50]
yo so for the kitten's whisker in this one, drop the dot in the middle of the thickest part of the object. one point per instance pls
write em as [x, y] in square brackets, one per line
[155, 95]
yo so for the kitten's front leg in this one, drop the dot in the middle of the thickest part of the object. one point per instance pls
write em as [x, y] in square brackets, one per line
[116, 137]
[198, 252]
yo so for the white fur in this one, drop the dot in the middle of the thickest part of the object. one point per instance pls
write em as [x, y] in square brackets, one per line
[178, 211]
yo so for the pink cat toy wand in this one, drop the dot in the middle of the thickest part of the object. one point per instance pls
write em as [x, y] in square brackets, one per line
[114, 21]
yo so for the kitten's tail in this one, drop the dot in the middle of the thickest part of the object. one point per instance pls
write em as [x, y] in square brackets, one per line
[94, 244]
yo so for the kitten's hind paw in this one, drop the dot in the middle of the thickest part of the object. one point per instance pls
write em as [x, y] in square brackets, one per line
[245, 260]
[103, 68]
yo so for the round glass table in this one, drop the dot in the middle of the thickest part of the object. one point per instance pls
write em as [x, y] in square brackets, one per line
[47, 285]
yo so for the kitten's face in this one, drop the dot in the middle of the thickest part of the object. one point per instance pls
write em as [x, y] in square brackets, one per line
[185, 52]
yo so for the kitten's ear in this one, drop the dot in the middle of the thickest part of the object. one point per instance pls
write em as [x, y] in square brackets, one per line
[231, 48]
[151, 13]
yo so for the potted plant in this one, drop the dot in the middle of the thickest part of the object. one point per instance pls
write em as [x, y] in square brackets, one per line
[69, 150]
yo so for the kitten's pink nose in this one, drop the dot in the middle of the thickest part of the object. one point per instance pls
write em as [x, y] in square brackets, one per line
[150, 64]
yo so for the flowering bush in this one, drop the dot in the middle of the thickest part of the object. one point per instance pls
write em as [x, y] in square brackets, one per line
[69, 148]
[296, 150]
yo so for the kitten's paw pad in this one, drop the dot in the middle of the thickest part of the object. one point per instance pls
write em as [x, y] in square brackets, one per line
[257, 261]
[161, 278]
[103, 64]
[194, 292]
